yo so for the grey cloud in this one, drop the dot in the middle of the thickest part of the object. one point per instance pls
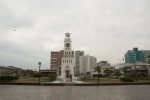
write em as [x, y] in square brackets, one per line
[102, 28]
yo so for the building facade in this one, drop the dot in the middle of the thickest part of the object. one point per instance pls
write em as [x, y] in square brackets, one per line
[77, 61]
[55, 62]
[104, 65]
[67, 63]
[82, 67]
[10, 70]
[136, 55]
[87, 62]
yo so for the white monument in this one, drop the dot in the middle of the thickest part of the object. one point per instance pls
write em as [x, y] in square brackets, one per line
[67, 64]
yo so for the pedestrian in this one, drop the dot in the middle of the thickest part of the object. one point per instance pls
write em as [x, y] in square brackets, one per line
[70, 78]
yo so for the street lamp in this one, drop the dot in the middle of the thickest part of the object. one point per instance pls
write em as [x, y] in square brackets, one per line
[135, 71]
[98, 69]
[39, 70]
[148, 65]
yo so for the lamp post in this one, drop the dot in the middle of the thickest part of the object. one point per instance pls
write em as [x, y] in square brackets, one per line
[135, 71]
[98, 69]
[148, 65]
[39, 70]
[98, 75]
[148, 70]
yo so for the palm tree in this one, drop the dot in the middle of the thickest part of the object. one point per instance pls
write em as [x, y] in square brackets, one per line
[98, 69]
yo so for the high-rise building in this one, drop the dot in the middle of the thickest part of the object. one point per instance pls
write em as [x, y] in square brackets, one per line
[103, 64]
[56, 57]
[87, 63]
[136, 55]
[147, 52]
[82, 67]
[77, 61]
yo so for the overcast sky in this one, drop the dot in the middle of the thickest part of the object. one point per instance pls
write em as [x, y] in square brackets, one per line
[105, 29]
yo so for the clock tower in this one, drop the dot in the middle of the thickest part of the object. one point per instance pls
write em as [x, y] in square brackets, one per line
[67, 64]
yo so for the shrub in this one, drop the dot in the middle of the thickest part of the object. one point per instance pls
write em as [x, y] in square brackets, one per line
[8, 78]
[37, 75]
[126, 79]
[96, 75]
[52, 77]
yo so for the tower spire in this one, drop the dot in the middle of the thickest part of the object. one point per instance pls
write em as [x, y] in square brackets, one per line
[67, 28]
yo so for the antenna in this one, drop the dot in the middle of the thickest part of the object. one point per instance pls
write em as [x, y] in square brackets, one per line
[67, 28]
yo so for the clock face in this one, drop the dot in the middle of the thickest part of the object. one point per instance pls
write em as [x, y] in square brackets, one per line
[67, 44]
[67, 34]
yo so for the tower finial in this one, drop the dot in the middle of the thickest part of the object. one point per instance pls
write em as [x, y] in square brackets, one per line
[67, 28]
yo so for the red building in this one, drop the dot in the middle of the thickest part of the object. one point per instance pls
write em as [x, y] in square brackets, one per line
[55, 61]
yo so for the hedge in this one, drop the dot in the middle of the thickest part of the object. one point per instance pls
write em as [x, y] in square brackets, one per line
[126, 79]
[8, 78]
[96, 75]
[52, 77]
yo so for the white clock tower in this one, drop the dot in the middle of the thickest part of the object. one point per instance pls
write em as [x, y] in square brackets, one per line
[67, 65]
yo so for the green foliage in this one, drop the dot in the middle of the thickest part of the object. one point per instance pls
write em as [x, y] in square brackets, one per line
[29, 73]
[37, 75]
[96, 75]
[126, 79]
[108, 72]
[52, 77]
[117, 73]
[8, 78]
[125, 69]
[98, 69]
[146, 78]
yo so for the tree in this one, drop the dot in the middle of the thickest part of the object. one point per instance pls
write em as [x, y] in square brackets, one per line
[52, 77]
[117, 73]
[98, 69]
[126, 71]
[17, 71]
[108, 72]
[29, 73]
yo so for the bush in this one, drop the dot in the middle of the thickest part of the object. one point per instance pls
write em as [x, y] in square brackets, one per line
[52, 77]
[8, 78]
[37, 75]
[96, 75]
[126, 79]
[146, 78]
